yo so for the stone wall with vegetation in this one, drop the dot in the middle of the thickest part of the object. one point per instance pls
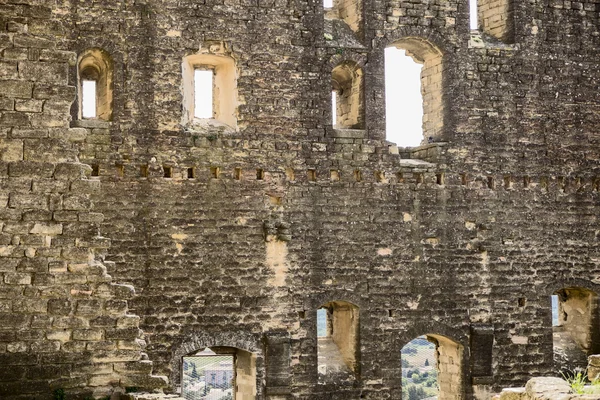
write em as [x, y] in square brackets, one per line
[239, 234]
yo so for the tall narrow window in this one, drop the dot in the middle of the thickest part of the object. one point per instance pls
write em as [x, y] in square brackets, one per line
[337, 332]
[431, 368]
[203, 93]
[575, 327]
[95, 76]
[347, 97]
[210, 88]
[473, 19]
[413, 88]
[88, 99]
[334, 108]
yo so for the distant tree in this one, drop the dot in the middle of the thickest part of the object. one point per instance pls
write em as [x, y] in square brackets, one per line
[416, 393]
[427, 362]
[405, 363]
[194, 372]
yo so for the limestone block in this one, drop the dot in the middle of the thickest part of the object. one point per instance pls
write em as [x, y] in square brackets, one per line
[17, 89]
[15, 278]
[87, 334]
[47, 229]
[115, 356]
[145, 381]
[11, 150]
[44, 72]
[547, 387]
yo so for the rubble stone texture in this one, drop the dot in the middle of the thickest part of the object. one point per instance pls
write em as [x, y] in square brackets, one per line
[131, 240]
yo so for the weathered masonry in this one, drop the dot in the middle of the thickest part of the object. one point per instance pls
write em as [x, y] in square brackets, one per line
[172, 188]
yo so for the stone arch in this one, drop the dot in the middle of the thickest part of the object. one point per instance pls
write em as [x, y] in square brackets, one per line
[96, 64]
[247, 348]
[452, 356]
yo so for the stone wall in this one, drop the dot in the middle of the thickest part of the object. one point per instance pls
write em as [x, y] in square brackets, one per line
[240, 234]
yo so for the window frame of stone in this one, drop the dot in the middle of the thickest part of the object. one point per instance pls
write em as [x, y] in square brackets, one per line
[347, 80]
[344, 316]
[224, 95]
[95, 64]
[495, 18]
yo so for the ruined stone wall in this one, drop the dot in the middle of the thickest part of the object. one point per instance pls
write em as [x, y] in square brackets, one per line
[494, 222]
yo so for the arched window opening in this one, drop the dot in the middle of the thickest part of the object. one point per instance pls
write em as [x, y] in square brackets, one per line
[95, 76]
[347, 96]
[575, 327]
[432, 368]
[413, 88]
[338, 342]
[219, 373]
[209, 89]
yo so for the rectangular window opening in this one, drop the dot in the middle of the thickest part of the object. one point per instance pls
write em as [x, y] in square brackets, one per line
[418, 178]
[215, 172]
[400, 177]
[260, 174]
[473, 18]
[490, 182]
[203, 93]
[439, 179]
[88, 99]
[357, 175]
[95, 170]
[191, 173]
[464, 179]
[507, 182]
[120, 170]
[526, 181]
[312, 175]
[327, 3]
[144, 171]
[554, 301]
[208, 377]
[168, 172]
[237, 174]
[333, 105]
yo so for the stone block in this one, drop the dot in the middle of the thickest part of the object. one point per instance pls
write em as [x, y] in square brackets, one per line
[17, 89]
[32, 41]
[15, 278]
[10, 118]
[30, 169]
[44, 72]
[88, 334]
[115, 356]
[11, 150]
[47, 229]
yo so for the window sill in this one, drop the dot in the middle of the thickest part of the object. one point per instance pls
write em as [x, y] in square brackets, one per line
[208, 124]
[90, 123]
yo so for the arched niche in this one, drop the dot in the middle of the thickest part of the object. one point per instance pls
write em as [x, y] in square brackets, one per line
[95, 70]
